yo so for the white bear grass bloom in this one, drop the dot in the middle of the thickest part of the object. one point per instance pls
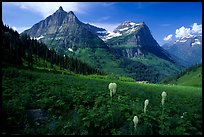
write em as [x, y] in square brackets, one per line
[112, 87]
[184, 113]
[135, 121]
[163, 97]
[145, 105]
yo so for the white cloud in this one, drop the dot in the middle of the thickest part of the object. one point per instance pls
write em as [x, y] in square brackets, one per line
[189, 32]
[107, 26]
[168, 38]
[183, 32]
[196, 28]
[47, 8]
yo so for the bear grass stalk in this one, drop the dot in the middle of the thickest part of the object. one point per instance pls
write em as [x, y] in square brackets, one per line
[163, 95]
[145, 105]
[135, 122]
[112, 87]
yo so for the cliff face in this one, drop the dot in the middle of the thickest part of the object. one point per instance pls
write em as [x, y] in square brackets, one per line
[136, 40]
[130, 50]
[63, 31]
[187, 49]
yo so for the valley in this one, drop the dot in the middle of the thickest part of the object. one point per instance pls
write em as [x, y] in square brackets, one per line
[63, 32]
[56, 79]
[81, 105]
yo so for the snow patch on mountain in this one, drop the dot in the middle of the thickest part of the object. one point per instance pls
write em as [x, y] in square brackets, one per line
[123, 29]
[132, 23]
[60, 27]
[197, 42]
[70, 49]
[102, 32]
[126, 27]
[38, 38]
[182, 40]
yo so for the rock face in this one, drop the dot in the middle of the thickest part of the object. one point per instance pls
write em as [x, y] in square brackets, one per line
[64, 32]
[36, 116]
[187, 49]
[112, 52]
[136, 40]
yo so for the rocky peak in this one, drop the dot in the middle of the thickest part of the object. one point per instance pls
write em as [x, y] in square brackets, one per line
[71, 13]
[60, 8]
[127, 27]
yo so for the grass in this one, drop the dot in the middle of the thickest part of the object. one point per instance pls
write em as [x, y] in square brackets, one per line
[161, 65]
[193, 78]
[100, 58]
[79, 104]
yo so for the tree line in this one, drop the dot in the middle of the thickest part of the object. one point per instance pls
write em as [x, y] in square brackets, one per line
[16, 47]
[181, 73]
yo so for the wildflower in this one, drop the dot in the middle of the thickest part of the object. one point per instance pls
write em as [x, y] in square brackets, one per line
[163, 97]
[145, 105]
[135, 121]
[184, 113]
[163, 94]
[111, 93]
[112, 87]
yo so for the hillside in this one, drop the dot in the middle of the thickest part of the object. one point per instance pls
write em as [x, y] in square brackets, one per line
[21, 50]
[44, 103]
[190, 78]
[187, 49]
[66, 34]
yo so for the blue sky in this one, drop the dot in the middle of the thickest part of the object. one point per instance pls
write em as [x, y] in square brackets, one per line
[166, 20]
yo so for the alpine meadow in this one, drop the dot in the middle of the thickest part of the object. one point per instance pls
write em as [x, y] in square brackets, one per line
[64, 76]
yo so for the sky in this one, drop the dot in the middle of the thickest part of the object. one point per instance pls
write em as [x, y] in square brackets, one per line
[167, 21]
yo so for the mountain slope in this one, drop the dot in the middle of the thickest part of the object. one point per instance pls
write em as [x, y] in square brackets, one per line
[64, 32]
[67, 35]
[187, 49]
[136, 40]
[191, 76]
[21, 51]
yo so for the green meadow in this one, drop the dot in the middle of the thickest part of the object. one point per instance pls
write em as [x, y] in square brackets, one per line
[81, 105]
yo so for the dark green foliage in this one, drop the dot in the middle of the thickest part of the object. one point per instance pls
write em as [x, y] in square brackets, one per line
[81, 105]
[184, 72]
[16, 48]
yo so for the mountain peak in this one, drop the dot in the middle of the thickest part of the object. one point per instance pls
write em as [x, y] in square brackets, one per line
[128, 27]
[60, 8]
[71, 12]
[127, 22]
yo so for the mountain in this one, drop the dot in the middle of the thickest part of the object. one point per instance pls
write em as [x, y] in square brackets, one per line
[22, 52]
[135, 39]
[133, 53]
[64, 32]
[187, 49]
[191, 76]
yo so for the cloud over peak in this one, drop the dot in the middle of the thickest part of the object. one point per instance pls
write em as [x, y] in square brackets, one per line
[168, 38]
[196, 28]
[47, 8]
[183, 32]
[189, 32]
